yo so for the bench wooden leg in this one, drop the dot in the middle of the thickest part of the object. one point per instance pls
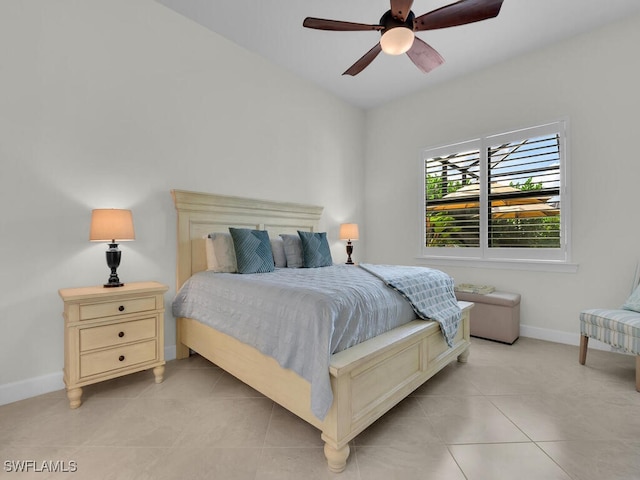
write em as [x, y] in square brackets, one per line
[584, 341]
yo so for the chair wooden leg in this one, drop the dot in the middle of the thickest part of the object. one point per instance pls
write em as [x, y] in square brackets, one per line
[584, 341]
[638, 373]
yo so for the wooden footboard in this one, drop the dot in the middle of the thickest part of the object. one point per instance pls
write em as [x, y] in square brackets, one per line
[367, 379]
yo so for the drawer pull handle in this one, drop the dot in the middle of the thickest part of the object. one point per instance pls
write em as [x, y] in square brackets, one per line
[121, 308]
[121, 334]
[121, 358]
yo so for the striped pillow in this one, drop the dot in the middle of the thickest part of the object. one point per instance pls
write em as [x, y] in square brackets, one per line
[253, 250]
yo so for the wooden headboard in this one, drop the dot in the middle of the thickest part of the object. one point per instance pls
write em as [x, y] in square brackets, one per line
[202, 213]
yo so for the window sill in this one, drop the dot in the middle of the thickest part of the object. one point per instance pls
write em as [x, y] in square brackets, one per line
[530, 265]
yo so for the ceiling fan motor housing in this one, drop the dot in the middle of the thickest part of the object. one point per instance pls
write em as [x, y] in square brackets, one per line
[388, 21]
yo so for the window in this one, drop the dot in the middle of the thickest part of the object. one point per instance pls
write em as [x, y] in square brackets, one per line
[501, 197]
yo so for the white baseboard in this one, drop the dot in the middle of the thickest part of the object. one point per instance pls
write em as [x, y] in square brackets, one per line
[170, 353]
[32, 387]
[557, 336]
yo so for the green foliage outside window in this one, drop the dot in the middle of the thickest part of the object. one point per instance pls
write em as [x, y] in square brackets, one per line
[459, 227]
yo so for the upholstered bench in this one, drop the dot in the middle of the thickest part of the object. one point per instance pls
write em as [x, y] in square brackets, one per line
[495, 316]
[618, 328]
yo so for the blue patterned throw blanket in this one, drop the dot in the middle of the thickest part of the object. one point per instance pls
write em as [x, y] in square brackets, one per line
[429, 291]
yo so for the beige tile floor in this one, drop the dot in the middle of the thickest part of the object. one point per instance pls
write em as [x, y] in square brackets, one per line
[526, 412]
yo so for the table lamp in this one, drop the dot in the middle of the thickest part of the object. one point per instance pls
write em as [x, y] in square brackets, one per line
[112, 225]
[348, 232]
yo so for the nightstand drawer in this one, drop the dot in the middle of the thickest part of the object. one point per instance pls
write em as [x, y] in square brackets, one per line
[117, 358]
[119, 307]
[117, 334]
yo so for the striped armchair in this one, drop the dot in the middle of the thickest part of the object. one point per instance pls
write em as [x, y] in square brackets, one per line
[619, 328]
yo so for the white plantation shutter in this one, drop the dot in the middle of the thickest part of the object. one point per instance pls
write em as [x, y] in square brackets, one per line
[453, 199]
[498, 197]
[524, 193]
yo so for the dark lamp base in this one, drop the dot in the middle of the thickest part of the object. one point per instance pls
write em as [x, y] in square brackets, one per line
[113, 261]
[349, 252]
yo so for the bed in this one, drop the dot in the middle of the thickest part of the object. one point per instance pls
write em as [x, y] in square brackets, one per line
[367, 379]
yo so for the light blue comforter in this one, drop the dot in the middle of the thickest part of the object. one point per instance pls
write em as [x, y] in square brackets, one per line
[299, 316]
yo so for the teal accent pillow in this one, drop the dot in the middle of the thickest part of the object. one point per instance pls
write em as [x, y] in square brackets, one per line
[315, 249]
[253, 250]
[633, 302]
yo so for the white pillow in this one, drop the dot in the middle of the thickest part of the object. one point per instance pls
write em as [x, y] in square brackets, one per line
[221, 256]
[277, 248]
[292, 250]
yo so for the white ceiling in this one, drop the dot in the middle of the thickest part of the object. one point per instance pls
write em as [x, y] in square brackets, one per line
[273, 29]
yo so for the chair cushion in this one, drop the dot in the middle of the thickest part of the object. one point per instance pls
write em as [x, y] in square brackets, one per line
[619, 328]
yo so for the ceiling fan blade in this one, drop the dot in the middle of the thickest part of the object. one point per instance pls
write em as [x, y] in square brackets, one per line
[401, 8]
[424, 56]
[364, 61]
[337, 25]
[459, 13]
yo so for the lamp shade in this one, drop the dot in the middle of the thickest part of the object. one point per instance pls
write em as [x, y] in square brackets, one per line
[111, 225]
[349, 231]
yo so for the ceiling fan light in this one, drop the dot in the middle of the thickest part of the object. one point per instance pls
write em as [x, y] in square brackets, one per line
[397, 41]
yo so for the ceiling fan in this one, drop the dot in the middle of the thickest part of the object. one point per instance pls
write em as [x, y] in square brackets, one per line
[397, 27]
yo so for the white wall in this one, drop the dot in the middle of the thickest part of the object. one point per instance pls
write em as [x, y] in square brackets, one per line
[110, 104]
[593, 81]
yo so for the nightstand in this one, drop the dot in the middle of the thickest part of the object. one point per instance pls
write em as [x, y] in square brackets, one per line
[111, 332]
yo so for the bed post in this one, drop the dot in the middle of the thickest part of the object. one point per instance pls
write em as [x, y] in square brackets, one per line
[464, 356]
[336, 458]
[466, 324]
[182, 351]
